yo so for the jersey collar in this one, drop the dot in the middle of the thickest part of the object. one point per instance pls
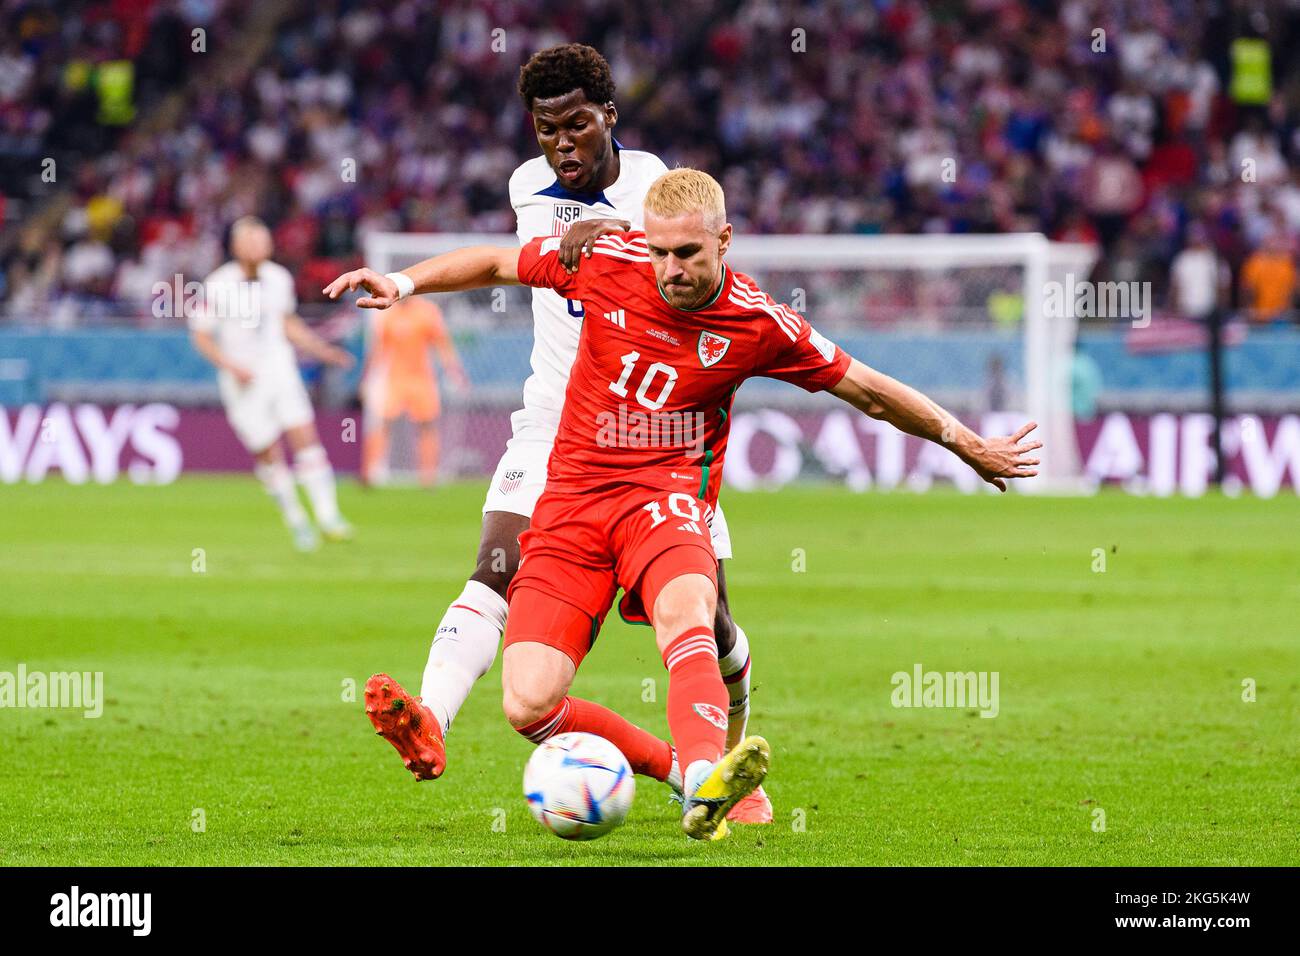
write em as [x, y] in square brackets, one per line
[558, 190]
[726, 276]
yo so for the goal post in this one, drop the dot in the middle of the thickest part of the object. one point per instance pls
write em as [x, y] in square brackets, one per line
[1048, 339]
[965, 318]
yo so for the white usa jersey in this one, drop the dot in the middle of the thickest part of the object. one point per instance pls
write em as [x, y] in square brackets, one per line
[246, 316]
[544, 207]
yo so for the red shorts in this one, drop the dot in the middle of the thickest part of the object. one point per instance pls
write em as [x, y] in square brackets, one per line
[581, 548]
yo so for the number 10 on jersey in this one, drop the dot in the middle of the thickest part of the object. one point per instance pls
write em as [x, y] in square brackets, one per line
[629, 361]
[679, 503]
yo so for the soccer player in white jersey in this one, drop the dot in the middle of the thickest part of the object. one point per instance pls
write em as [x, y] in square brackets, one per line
[583, 186]
[247, 327]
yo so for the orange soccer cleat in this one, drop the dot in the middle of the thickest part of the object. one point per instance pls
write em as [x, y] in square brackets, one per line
[408, 725]
[754, 808]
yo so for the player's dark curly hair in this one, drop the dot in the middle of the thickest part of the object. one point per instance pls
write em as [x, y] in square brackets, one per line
[561, 69]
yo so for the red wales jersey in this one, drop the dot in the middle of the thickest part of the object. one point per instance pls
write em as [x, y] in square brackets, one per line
[649, 396]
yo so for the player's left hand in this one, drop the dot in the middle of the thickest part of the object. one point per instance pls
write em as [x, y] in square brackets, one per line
[997, 459]
[581, 238]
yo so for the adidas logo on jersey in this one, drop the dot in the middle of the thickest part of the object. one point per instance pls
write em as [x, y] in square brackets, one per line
[618, 318]
[690, 526]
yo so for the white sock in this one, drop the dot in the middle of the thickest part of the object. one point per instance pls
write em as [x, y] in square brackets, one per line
[317, 478]
[278, 483]
[463, 649]
[735, 674]
[695, 775]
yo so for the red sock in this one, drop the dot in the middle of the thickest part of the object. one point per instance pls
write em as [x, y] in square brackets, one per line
[646, 753]
[697, 697]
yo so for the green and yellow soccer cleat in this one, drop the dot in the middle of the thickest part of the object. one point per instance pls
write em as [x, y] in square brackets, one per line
[338, 532]
[733, 778]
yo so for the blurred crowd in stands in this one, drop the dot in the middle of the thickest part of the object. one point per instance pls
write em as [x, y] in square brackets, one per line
[1166, 131]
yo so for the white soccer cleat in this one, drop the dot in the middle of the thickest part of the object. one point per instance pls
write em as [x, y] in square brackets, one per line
[305, 538]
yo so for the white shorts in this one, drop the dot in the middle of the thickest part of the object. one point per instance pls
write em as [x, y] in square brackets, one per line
[520, 477]
[719, 532]
[264, 410]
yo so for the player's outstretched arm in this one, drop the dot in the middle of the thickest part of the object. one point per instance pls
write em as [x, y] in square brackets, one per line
[308, 342]
[207, 346]
[994, 459]
[449, 358]
[473, 267]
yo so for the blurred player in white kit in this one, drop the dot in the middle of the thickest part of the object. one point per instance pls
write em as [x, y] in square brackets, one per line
[248, 327]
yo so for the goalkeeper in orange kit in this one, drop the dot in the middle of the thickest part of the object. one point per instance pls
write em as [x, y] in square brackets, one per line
[399, 379]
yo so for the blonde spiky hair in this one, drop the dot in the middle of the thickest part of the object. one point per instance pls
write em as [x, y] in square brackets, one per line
[686, 190]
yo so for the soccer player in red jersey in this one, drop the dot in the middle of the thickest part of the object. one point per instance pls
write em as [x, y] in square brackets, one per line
[670, 333]
[583, 185]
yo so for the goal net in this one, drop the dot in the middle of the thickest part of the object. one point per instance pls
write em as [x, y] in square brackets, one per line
[964, 318]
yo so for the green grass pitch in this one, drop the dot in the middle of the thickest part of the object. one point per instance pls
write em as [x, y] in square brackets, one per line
[1121, 690]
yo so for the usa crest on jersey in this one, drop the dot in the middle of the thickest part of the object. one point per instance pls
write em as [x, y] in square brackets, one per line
[511, 479]
[565, 215]
[712, 347]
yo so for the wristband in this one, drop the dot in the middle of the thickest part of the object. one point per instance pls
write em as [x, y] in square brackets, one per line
[405, 284]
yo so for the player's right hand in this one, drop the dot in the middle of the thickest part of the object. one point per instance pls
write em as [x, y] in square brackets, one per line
[997, 459]
[580, 239]
[242, 375]
[383, 290]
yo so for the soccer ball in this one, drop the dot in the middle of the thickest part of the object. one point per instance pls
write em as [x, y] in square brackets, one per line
[578, 786]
